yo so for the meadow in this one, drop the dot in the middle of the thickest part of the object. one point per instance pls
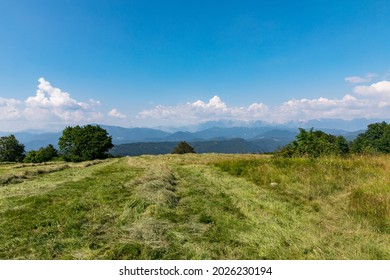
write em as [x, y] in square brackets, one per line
[197, 206]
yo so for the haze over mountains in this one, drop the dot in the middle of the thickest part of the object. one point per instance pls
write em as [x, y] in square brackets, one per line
[217, 136]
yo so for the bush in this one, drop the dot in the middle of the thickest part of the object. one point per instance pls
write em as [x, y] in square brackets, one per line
[42, 155]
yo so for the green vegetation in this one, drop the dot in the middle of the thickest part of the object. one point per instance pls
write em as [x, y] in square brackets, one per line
[376, 139]
[10, 149]
[197, 206]
[314, 144]
[42, 155]
[226, 146]
[84, 143]
[183, 148]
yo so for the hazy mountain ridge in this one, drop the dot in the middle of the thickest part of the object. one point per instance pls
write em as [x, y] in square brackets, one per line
[122, 135]
[258, 135]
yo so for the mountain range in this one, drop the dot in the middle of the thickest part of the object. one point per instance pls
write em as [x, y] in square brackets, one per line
[217, 136]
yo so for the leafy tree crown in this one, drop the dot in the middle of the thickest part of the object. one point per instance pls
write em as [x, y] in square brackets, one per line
[314, 144]
[84, 143]
[183, 148]
[376, 139]
[42, 155]
[11, 149]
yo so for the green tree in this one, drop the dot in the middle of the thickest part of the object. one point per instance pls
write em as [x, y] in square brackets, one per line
[31, 157]
[84, 143]
[42, 155]
[376, 139]
[11, 149]
[48, 153]
[314, 144]
[183, 148]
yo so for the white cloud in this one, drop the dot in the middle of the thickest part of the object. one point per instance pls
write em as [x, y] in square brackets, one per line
[214, 103]
[376, 90]
[357, 79]
[200, 111]
[116, 114]
[9, 109]
[51, 97]
[348, 107]
[51, 102]
[371, 101]
[49, 106]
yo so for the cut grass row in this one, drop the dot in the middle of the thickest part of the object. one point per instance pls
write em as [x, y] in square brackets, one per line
[199, 207]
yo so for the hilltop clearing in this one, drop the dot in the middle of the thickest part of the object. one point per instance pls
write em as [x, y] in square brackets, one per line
[197, 206]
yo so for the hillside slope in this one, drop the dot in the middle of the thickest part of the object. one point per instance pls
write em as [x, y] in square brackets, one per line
[197, 207]
[230, 146]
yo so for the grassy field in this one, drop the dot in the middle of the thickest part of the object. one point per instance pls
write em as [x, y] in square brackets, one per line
[197, 207]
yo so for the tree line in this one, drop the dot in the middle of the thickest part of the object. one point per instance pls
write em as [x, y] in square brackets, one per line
[77, 143]
[91, 142]
[375, 140]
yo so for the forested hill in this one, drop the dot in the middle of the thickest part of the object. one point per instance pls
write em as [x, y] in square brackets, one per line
[230, 146]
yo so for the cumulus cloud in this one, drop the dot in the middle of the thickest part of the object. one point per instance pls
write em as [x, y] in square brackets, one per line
[53, 102]
[357, 79]
[348, 107]
[9, 109]
[378, 93]
[51, 97]
[200, 111]
[116, 114]
[49, 106]
[377, 90]
[372, 101]
[214, 103]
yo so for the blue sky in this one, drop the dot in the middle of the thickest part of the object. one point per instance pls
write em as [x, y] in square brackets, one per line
[150, 63]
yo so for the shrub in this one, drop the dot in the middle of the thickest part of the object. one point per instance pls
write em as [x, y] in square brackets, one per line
[42, 155]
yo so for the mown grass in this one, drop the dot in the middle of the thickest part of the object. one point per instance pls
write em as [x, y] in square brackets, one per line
[197, 207]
